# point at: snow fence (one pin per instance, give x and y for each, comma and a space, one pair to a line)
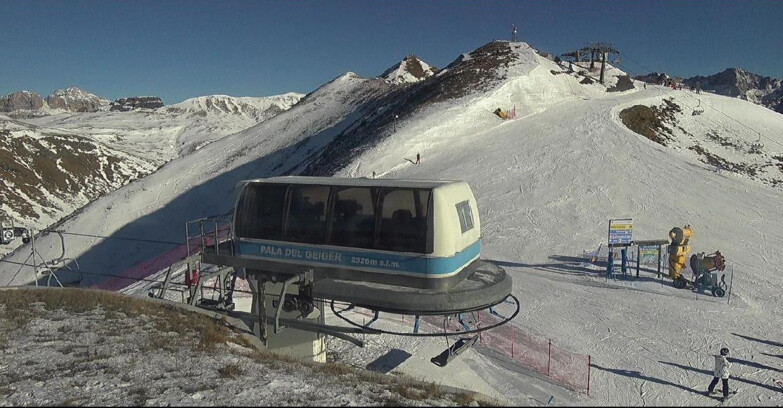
563, 367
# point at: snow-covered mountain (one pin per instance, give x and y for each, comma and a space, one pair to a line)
734, 82
118, 147
258, 109
74, 99
26, 104
745, 85
546, 184
48, 173
410, 69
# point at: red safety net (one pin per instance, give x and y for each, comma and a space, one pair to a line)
566, 368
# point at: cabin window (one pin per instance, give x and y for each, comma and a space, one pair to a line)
353, 217
261, 211
306, 220
403, 224
465, 216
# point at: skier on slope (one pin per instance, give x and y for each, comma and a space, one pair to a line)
722, 366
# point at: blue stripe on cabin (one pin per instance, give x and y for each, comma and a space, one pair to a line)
368, 259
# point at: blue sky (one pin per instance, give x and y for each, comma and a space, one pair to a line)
182, 49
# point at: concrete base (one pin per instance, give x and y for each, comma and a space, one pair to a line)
300, 344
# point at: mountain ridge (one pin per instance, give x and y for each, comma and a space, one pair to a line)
734, 82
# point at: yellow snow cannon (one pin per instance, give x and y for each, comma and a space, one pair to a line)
678, 252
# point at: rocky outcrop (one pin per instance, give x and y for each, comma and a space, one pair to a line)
738, 83
24, 100
410, 69
75, 100
137, 102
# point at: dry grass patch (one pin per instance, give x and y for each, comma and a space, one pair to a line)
230, 371
465, 399
20, 306
335, 369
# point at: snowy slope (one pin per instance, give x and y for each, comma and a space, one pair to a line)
174, 130
203, 182
546, 184
136, 142
48, 173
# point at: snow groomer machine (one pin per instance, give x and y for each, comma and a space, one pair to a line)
407, 247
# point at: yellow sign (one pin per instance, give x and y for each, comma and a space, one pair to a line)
621, 226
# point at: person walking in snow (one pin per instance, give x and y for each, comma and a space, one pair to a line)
722, 366
418, 158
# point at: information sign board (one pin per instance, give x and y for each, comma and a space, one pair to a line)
620, 232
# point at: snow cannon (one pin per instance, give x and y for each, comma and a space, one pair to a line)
705, 276
708, 263
678, 251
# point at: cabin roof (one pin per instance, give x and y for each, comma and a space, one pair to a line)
353, 182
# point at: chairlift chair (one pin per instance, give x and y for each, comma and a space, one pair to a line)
696, 110
758, 144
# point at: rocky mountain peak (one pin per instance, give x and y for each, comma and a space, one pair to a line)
23, 100
75, 100
739, 83
734, 82
410, 69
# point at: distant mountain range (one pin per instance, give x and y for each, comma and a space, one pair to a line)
70, 99
734, 82
87, 146
59, 153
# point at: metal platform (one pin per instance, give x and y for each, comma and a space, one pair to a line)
486, 285
482, 284
292, 294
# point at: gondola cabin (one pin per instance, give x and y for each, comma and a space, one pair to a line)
418, 234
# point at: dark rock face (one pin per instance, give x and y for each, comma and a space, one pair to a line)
23, 100
774, 100
138, 102
735, 82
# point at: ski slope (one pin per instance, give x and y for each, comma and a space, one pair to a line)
546, 184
